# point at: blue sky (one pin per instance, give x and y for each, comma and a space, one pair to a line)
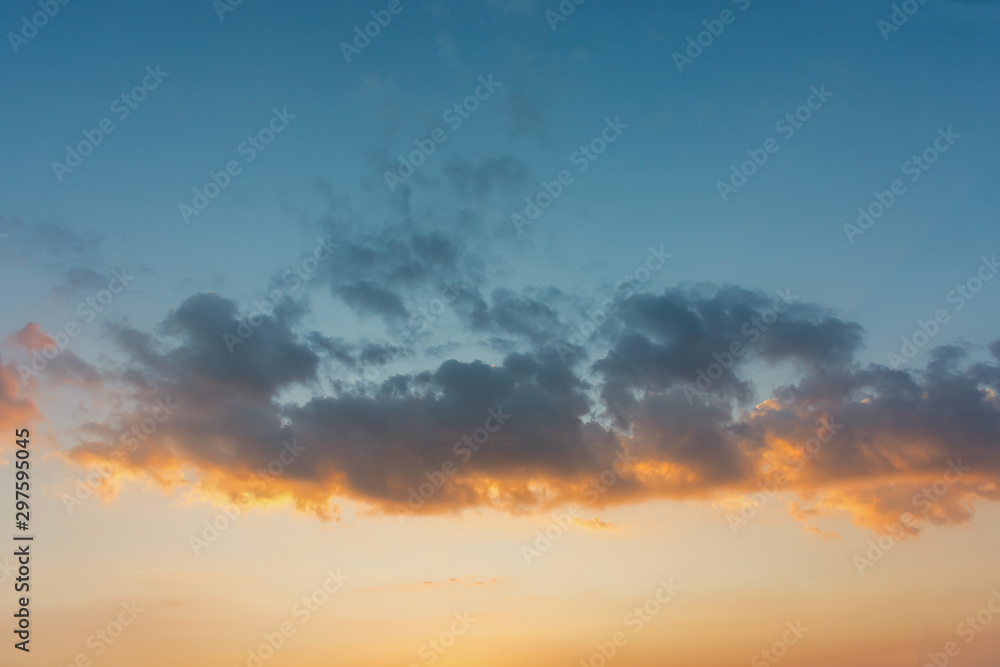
657, 184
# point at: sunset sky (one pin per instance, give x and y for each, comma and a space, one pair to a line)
503, 332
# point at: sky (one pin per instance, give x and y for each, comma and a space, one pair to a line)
497, 332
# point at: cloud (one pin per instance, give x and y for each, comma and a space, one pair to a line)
40, 359
17, 411
674, 339
367, 298
533, 433
594, 524
398, 264
271, 358
531, 316
31, 338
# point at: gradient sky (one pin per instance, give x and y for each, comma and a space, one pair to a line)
377, 420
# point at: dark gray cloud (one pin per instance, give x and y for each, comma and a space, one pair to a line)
944, 409
334, 349
368, 298
685, 336
389, 272
531, 317
378, 443
194, 350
